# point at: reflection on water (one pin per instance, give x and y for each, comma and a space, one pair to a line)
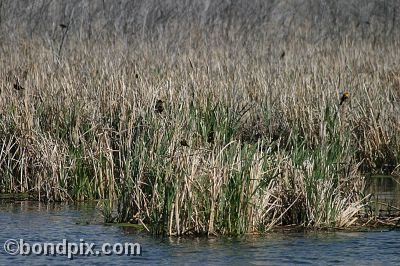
38, 222
385, 191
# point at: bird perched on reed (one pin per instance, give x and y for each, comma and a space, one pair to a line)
344, 97
184, 143
18, 86
159, 108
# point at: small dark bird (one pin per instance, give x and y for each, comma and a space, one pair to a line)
210, 137
18, 86
137, 75
283, 54
63, 26
184, 143
159, 108
344, 97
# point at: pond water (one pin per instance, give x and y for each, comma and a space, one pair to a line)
36, 223
385, 192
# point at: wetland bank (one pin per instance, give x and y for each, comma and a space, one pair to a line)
209, 128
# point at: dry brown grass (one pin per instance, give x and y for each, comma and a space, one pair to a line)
282, 151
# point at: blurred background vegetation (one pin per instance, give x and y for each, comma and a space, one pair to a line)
236, 20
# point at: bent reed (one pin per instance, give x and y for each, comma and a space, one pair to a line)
205, 137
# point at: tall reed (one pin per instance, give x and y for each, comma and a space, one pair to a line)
213, 140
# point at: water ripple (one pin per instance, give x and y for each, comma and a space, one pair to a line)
37, 222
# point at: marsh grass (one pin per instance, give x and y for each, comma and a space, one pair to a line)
245, 140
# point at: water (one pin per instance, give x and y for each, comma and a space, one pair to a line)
38, 222
385, 192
